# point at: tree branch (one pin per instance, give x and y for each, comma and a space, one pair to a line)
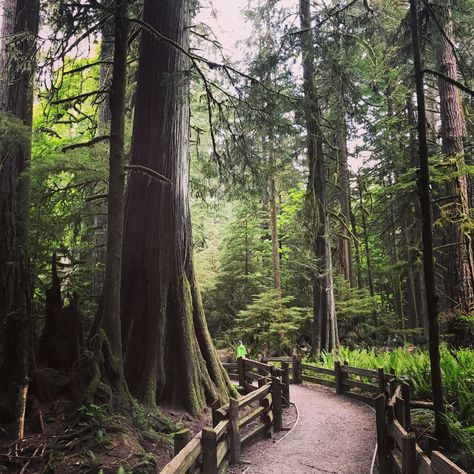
100, 138
148, 171
458, 84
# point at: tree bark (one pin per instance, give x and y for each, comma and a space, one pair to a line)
106, 57
345, 239
7, 9
17, 97
442, 432
407, 255
273, 217
99, 220
360, 281
419, 279
396, 280
111, 320
459, 278
169, 356
325, 334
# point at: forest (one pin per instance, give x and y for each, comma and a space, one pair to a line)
308, 190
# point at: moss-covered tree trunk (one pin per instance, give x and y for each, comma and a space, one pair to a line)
105, 340
273, 213
169, 356
17, 99
459, 275
325, 333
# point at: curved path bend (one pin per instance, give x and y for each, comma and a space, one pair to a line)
334, 434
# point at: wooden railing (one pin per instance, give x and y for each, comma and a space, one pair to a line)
234, 424
397, 448
343, 377
212, 450
398, 451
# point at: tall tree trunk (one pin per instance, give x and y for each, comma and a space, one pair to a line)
360, 281
169, 354
273, 216
7, 12
99, 220
424, 192
106, 56
15, 311
111, 320
459, 278
396, 280
325, 334
419, 279
365, 233
407, 255
345, 239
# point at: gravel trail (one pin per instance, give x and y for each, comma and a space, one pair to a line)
334, 434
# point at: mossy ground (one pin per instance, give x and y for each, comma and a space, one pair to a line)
90, 440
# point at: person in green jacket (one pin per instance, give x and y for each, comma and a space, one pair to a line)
241, 351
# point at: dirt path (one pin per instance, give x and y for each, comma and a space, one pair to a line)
334, 434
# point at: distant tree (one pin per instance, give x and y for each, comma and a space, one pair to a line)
325, 334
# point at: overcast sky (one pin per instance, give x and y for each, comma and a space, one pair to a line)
225, 19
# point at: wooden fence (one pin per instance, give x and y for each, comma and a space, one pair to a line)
397, 449
345, 379
234, 424
267, 387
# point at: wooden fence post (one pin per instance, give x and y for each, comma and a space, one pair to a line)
276, 402
409, 454
400, 411
234, 435
267, 417
209, 451
241, 371
216, 416
406, 398
339, 378
180, 440
382, 384
381, 423
296, 369
263, 373
393, 382
432, 445
286, 382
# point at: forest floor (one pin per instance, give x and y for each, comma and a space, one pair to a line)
100, 444
333, 434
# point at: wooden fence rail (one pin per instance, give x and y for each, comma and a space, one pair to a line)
212, 450
398, 451
396, 445
235, 423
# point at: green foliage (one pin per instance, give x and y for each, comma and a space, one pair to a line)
12, 133
64, 185
95, 417
413, 364
354, 310
244, 267
92, 413
152, 425
269, 325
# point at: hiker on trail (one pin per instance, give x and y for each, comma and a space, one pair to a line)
241, 351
